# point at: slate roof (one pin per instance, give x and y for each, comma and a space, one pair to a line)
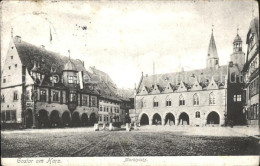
103, 86
188, 77
237, 39
253, 28
47, 61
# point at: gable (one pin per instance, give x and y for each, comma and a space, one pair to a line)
143, 91
196, 86
12, 68
182, 87
155, 90
168, 88
212, 84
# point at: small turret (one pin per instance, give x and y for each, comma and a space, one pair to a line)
238, 56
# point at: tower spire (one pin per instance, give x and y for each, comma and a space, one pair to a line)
212, 28
212, 58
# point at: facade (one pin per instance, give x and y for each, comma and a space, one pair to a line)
44, 89
197, 97
251, 73
111, 104
41, 88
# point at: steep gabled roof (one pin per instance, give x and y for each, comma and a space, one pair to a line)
47, 61
189, 77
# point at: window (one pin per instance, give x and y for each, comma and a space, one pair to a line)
85, 100
155, 102
8, 115
15, 96
38, 76
43, 95
12, 57
54, 79
13, 115
235, 98
212, 99
75, 80
195, 99
216, 62
93, 101
70, 79
104, 118
181, 100
4, 80
2, 116
55, 96
15, 65
72, 96
2, 98
238, 98
257, 109
168, 101
28, 95
197, 114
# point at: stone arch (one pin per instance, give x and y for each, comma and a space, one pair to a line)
156, 119
144, 119
84, 119
55, 120
92, 119
213, 118
43, 119
75, 120
66, 119
169, 118
184, 119
29, 118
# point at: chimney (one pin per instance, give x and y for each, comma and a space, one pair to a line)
43, 47
17, 39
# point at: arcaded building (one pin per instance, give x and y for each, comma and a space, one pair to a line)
200, 97
40, 88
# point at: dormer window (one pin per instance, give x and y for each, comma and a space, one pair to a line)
38, 76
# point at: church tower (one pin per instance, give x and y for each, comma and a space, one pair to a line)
238, 56
212, 57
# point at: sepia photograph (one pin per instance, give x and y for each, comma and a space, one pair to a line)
130, 82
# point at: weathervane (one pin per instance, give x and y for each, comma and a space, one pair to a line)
237, 29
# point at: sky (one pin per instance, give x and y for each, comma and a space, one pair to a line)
124, 39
